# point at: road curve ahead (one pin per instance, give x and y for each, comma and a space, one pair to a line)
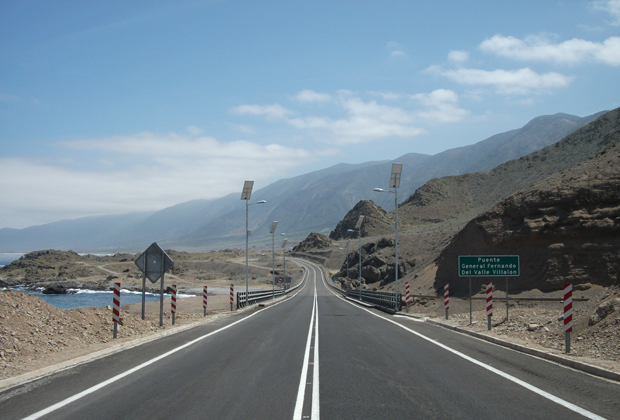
315, 355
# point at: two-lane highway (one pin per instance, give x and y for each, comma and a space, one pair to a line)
316, 355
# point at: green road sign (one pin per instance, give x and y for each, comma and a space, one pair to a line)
334, 277
488, 265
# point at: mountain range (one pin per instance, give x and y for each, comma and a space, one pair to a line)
316, 201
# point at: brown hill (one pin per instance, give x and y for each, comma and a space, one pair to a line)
565, 229
376, 222
313, 241
460, 198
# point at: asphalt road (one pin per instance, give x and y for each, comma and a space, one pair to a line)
315, 355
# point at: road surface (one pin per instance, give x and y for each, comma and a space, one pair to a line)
315, 355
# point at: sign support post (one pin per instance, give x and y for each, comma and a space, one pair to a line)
161, 298
470, 315
144, 289
154, 262
488, 266
506, 298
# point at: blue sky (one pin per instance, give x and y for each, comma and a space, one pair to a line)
114, 107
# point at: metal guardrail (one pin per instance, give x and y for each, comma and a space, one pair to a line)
383, 300
257, 296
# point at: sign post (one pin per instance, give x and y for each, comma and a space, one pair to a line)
488, 266
154, 262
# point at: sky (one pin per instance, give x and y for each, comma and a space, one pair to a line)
125, 106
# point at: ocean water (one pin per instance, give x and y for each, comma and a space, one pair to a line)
7, 258
89, 298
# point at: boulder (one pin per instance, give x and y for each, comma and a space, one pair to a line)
55, 289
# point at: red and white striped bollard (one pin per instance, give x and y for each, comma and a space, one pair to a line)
116, 307
489, 302
407, 295
173, 301
204, 299
446, 298
568, 313
232, 296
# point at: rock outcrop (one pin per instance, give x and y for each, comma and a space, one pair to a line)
313, 241
376, 221
565, 229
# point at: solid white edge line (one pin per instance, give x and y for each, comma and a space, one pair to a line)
518, 381
97, 387
301, 391
316, 402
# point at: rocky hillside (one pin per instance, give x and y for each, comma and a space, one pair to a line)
464, 197
376, 222
313, 241
565, 228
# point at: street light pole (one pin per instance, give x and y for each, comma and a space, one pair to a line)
358, 226
245, 195
273, 258
397, 169
284, 261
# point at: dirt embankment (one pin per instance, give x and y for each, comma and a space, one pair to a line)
34, 334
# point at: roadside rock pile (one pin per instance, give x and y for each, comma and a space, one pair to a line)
32, 332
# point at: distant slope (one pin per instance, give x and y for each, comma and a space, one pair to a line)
316, 201
463, 197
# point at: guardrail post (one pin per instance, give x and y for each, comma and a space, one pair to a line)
173, 302
407, 295
446, 298
232, 296
489, 303
204, 300
116, 304
568, 313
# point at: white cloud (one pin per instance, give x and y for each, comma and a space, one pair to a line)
195, 131
368, 121
396, 49
141, 172
388, 96
458, 56
522, 81
312, 96
441, 106
365, 122
271, 111
538, 48
610, 6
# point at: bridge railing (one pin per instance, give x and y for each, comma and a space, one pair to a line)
383, 300
257, 296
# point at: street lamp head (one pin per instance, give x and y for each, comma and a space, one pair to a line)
261, 202
379, 190
282, 234
351, 230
